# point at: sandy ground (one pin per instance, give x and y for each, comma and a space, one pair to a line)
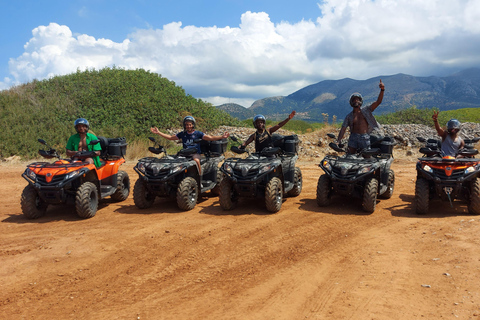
303, 262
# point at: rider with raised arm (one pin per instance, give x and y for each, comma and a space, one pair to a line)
451, 142
263, 137
188, 137
360, 121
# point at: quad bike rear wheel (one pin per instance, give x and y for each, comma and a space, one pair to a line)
370, 195
33, 207
390, 185
142, 198
297, 183
123, 187
86, 200
324, 190
274, 195
227, 197
422, 196
187, 194
474, 203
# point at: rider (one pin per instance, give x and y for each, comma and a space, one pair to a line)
451, 142
81, 142
360, 121
263, 137
189, 135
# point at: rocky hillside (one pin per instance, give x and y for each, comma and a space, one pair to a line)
315, 145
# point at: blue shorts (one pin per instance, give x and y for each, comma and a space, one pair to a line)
359, 141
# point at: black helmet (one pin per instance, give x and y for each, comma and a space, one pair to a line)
81, 121
256, 118
356, 95
453, 124
190, 119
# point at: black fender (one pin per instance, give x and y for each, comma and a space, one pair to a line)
92, 176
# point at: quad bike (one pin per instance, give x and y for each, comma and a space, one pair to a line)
73, 181
447, 178
269, 174
363, 175
177, 176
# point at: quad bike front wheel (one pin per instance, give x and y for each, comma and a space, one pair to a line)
324, 191
86, 200
228, 200
187, 194
123, 187
474, 203
297, 183
422, 196
369, 201
33, 207
142, 198
390, 185
216, 190
274, 195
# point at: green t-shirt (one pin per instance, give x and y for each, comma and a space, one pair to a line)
74, 141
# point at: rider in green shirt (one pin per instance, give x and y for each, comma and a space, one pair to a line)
81, 142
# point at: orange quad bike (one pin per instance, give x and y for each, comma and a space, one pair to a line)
447, 178
74, 181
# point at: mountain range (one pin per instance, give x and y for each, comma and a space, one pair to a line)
330, 97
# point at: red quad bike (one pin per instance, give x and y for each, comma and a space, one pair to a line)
67, 181
447, 178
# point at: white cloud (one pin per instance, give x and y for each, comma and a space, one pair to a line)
357, 39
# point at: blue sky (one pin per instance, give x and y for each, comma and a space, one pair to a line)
239, 50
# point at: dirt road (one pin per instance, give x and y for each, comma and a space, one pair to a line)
303, 262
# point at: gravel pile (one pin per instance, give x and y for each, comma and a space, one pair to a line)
315, 144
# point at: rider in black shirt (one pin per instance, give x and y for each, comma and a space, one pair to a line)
263, 137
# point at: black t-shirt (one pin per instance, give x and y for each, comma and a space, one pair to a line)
263, 140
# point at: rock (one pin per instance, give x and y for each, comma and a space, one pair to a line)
13, 159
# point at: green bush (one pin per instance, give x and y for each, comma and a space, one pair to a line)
116, 102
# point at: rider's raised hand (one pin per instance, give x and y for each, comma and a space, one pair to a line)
381, 85
435, 115
291, 115
154, 130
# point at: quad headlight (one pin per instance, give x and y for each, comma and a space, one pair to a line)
141, 167
32, 175
365, 170
470, 170
265, 169
177, 168
327, 165
427, 168
227, 167
72, 174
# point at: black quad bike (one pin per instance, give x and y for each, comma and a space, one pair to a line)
447, 178
177, 176
73, 181
363, 175
269, 174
